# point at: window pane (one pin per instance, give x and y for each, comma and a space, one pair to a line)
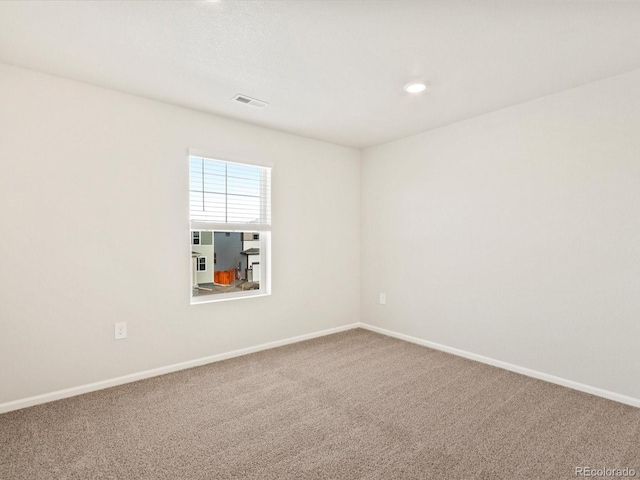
236, 267
242, 209
196, 200
214, 183
195, 173
214, 167
223, 192
243, 180
210, 207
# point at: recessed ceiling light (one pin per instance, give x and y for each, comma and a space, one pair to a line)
415, 87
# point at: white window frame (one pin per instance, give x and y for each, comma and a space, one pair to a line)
198, 264
263, 230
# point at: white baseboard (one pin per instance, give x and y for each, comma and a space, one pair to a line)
134, 377
617, 397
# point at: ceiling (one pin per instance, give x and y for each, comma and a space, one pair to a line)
330, 70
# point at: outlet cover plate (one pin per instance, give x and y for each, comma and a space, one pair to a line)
120, 330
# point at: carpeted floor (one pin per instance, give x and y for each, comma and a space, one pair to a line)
354, 405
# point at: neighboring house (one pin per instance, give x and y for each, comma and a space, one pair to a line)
223, 251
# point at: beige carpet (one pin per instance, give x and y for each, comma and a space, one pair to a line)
348, 406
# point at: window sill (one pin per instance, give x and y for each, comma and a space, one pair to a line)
224, 297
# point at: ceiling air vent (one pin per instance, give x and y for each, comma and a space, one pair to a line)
250, 101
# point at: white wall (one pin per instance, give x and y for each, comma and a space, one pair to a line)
103, 176
515, 235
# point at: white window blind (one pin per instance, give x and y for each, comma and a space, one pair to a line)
229, 193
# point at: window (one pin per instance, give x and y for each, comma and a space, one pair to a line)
202, 264
230, 215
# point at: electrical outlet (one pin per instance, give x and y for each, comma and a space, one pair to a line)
383, 299
121, 330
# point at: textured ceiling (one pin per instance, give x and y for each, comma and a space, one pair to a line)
331, 70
